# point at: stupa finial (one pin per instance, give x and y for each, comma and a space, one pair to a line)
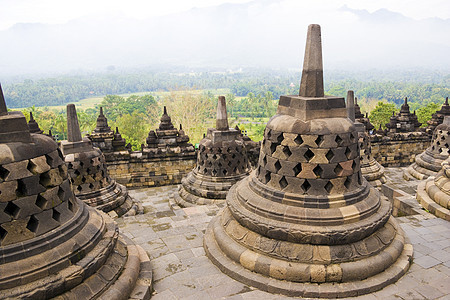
3, 109
351, 105
222, 118
311, 84
73, 128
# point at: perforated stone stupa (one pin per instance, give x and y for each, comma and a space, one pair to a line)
306, 222
404, 121
372, 171
221, 162
438, 117
89, 174
434, 193
51, 243
429, 162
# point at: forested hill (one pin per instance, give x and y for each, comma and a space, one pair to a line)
420, 86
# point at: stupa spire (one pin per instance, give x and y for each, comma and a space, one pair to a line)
3, 109
222, 118
351, 105
311, 84
73, 128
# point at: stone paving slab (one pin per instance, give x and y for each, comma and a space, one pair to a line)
173, 237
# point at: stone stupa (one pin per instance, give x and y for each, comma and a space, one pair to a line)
434, 193
221, 162
167, 141
372, 171
51, 243
89, 174
306, 223
404, 121
438, 117
102, 135
429, 162
33, 125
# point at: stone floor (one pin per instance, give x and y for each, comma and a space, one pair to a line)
173, 239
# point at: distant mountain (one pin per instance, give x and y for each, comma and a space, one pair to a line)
267, 33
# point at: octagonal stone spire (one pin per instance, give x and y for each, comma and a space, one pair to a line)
222, 118
311, 84
73, 128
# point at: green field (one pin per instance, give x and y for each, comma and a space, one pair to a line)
92, 102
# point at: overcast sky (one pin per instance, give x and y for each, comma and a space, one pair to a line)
61, 11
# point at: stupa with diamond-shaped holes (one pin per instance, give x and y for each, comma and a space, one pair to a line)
51, 243
221, 162
429, 162
89, 174
306, 223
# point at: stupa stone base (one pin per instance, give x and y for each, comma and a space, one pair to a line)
424, 167
438, 208
84, 259
197, 189
232, 258
374, 173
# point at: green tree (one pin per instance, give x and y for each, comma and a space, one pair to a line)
381, 114
424, 113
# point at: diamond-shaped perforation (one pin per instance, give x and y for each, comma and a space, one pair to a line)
77, 173
280, 138
11, 209
267, 177
354, 166
225, 172
3, 173
264, 160
233, 155
348, 152
338, 170
283, 182
32, 224
79, 188
318, 171
3, 233
56, 215
214, 172
297, 169
287, 151
41, 202
328, 187
306, 186
338, 140
352, 137
298, 140
347, 182
214, 157
319, 140
308, 155
70, 205
277, 166
273, 148
329, 155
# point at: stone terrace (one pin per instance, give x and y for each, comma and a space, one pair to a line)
173, 238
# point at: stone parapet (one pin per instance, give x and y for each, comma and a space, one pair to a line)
399, 149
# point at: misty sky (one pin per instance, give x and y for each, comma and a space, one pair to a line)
58, 12
64, 35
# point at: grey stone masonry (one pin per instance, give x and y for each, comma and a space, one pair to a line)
89, 175
33, 125
51, 243
306, 222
